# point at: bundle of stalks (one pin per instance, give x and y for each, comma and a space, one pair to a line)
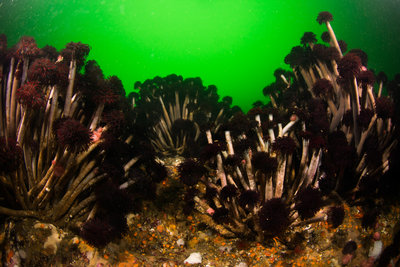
53, 140
178, 110
277, 176
346, 88
260, 190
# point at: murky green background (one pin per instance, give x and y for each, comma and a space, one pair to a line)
234, 44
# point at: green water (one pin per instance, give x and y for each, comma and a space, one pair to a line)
234, 44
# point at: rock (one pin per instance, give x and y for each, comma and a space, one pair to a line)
22, 254
225, 248
180, 242
376, 249
194, 258
53, 240
203, 236
241, 264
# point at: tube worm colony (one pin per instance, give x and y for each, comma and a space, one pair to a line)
67, 154
326, 137
63, 139
177, 110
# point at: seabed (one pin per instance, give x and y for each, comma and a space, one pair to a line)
167, 237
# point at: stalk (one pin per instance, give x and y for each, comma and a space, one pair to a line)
229, 143
68, 95
268, 189
333, 37
312, 169
96, 116
280, 176
24, 69
53, 109
249, 172
356, 111
12, 111
8, 97
365, 134
18, 213
220, 171
62, 206
339, 115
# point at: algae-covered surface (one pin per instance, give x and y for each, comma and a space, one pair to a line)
162, 235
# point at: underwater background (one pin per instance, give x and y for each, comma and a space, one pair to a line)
233, 44
171, 174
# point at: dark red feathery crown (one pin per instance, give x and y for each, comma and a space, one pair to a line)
324, 17
349, 66
97, 232
191, 171
11, 155
308, 37
209, 151
317, 142
30, 95
105, 95
114, 119
26, 47
49, 52
78, 51
228, 191
381, 77
249, 198
63, 73
307, 202
361, 54
384, 107
332, 53
285, 145
109, 90
325, 37
240, 124
255, 111
336, 216
72, 135
318, 122
320, 51
298, 56
366, 78
243, 145
116, 85
44, 71
263, 162
365, 117
323, 88
274, 216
